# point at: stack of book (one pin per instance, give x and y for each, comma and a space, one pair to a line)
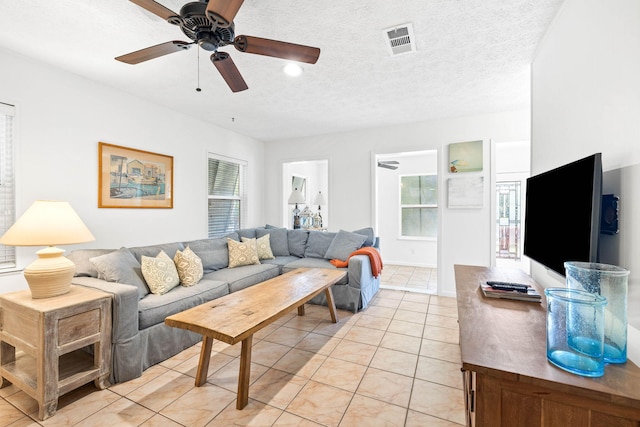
508, 290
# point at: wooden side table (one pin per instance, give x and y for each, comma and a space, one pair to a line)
42, 340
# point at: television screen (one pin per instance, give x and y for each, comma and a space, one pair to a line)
562, 214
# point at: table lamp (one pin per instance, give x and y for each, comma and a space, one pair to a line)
48, 223
295, 198
319, 200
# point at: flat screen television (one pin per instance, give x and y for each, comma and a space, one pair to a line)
562, 214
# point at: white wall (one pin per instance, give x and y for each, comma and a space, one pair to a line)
586, 99
464, 233
60, 120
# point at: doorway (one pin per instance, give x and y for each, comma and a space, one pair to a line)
406, 218
512, 166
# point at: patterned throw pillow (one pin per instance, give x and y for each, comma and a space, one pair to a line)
242, 253
189, 266
160, 273
263, 245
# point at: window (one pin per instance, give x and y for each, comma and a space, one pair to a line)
419, 205
226, 200
7, 183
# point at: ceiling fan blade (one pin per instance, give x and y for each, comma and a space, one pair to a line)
153, 52
229, 71
223, 12
387, 165
278, 49
156, 8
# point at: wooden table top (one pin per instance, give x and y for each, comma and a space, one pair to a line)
234, 317
508, 338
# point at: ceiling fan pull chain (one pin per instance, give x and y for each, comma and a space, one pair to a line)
198, 88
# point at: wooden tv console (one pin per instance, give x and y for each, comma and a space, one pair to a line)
507, 378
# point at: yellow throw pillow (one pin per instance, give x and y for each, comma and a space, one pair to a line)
189, 266
242, 253
160, 273
263, 245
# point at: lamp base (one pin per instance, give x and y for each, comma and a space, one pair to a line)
50, 275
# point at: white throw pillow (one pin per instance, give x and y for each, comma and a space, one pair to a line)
160, 273
189, 266
242, 253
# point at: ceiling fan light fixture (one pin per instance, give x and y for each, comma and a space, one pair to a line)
292, 69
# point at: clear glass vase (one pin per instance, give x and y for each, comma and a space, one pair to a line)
609, 281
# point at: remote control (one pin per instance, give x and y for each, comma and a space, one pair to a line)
508, 286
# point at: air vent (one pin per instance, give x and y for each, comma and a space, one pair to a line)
400, 39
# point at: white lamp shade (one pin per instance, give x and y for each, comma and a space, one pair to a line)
47, 223
319, 200
296, 197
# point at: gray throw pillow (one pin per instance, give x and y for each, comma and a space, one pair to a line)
121, 267
368, 231
344, 244
80, 257
318, 243
214, 253
297, 242
277, 238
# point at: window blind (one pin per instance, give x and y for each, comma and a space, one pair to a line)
7, 183
226, 195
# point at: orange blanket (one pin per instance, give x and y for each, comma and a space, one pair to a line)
374, 258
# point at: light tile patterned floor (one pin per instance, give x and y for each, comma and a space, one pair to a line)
403, 277
397, 363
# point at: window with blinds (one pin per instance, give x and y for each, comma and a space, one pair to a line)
7, 183
226, 195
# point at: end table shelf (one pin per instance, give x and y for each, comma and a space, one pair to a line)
42, 343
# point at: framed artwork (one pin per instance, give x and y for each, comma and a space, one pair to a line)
465, 192
130, 178
465, 156
300, 183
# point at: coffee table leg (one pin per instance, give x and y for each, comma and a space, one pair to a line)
203, 365
245, 373
301, 310
332, 305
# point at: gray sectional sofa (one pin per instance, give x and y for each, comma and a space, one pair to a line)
140, 338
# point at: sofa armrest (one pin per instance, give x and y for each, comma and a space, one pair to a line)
359, 271
124, 303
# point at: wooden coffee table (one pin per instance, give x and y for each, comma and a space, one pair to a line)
236, 317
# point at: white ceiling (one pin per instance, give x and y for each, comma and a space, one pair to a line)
472, 57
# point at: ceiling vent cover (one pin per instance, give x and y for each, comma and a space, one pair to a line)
400, 39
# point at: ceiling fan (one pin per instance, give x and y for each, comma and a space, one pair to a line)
388, 164
210, 25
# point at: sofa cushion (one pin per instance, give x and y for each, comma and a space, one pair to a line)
213, 252
344, 244
189, 266
154, 308
367, 231
318, 243
242, 253
278, 239
297, 240
153, 250
314, 263
245, 276
262, 246
121, 267
281, 261
84, 267
160, 273
249, 233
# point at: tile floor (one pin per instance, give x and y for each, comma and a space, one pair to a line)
417, 279
397, 363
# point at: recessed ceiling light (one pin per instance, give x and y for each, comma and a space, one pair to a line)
292, 69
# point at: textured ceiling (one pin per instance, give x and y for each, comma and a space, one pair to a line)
472, 57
